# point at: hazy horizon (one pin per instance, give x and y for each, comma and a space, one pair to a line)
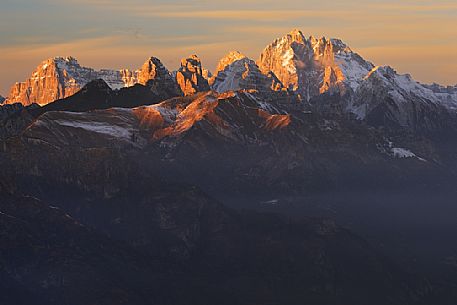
416, 36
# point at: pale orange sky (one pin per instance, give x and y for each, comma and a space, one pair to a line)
414, 36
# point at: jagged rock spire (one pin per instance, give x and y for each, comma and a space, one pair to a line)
190, 76
152, 69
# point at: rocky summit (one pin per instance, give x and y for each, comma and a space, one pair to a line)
190, 77
235, 71
59, 77
313, 66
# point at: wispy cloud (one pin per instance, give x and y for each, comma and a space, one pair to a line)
119, 33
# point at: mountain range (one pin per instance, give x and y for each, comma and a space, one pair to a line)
163, 182
307, 66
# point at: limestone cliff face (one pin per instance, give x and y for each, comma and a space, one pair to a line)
312, 66
152, 69
207, 74
156, 76
281, 58
235, 71
128, 77
52, 79
190, 77
59, 77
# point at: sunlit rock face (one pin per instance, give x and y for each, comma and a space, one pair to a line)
317, 68
312, 66
207, 74
158, 79
235, 71
60, 77
307, 67
128, 77
152, 69
225, 116
190, 77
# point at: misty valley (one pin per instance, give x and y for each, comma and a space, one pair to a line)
309, 176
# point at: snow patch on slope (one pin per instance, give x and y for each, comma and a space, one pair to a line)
97, 127
169, 115
401, 153
287, 58
353, 70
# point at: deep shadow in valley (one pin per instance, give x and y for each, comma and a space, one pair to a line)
417, 228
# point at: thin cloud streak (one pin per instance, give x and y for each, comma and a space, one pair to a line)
117, 33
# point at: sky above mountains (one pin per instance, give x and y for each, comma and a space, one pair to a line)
413, 36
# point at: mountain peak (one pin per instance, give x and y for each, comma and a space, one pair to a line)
296, 32
235, 53
235, 71
229, 59
313, 66
192, 64
151, 69
318, 44
190, 76
61, 76
64, 58
97, 84
153, 60
296, 35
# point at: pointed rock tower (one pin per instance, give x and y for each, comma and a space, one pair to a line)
190, 76
156, 76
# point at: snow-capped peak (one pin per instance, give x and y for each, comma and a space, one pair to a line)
402, 86
235, 71
229, 59
313, 66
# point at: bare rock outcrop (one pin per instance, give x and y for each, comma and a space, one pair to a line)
235, 71
190, 77
157, 77
60, 77
313, 66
